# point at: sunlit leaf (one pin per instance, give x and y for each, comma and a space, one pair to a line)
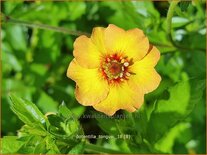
26, 111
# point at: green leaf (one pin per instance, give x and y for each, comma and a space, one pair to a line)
32, 142
76, 10
166, 143
11, 145
183, 97
64, 125
179, 21
71, 124
77, 149
184, 5
26, 111
168, 112
17, 37
35, 129
9, 58
65, 112
106, 123
40, 148
178, 101
46, 103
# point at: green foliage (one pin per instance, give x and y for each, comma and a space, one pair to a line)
34, 65
42, 134
10, 144
26, 111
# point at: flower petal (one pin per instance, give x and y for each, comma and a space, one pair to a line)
86, 53
146, 78
132, 43
97, 38
91, 87
120, 96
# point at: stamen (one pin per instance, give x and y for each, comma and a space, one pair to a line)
122, 61
116, 77
126, 64
115, 68
121, 75
128, 74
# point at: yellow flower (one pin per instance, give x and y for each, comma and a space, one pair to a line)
113, 69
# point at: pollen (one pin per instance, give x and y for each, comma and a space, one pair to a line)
126, 64
115, 68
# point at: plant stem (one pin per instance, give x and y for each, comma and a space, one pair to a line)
170, 13
99, 149
45, 27
173, 4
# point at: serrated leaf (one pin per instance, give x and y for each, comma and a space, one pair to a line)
31, 143
35, 129
47, 103
40, 148
26, 111
65, 112
10, 144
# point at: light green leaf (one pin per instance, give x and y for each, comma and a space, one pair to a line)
17, 37
46, 103
183, 97
76, 10
179, 21
71, 124
11, 145
35, 129
166, 143
65, 112
77, 149
178, 101
26, 111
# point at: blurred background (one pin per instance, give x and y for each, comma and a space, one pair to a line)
34, 63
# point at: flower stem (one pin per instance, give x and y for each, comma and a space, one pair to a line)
8, 19
99, 149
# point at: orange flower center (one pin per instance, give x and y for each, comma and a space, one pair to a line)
115, 68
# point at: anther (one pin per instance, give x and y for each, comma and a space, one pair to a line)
122, 68
116, 77
128, 74
122, 61
126, 64
121, 75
